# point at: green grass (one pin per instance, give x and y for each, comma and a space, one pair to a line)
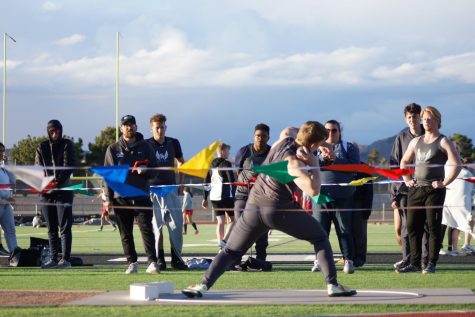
111, 277
86, 239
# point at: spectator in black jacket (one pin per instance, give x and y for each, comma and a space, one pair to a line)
130, 150
57, 205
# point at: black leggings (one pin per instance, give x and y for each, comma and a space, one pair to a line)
255, 220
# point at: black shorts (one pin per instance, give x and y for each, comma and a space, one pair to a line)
223, 206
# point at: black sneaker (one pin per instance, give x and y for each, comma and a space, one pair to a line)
179, 265
409, 269
401, 264
162, 265
429, 269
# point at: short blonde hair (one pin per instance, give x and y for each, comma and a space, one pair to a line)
434, 113
311, 132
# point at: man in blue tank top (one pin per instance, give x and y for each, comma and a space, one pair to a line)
426, 196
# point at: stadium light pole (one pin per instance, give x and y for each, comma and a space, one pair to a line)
117, 87
5, 35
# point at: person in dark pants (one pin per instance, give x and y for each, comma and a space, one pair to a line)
130, 149
362, 204
412, 115
337, 151
57, 205
250, 155
270, 206
426, 196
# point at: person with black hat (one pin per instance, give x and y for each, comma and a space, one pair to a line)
130, 150
57, 205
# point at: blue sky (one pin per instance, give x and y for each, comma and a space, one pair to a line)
217, 68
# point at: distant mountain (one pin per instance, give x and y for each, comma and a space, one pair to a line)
384, 147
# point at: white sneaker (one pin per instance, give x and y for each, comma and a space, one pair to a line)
153, 268
316, 266
339, 290
133, 268
468, 249
197, 290
348, 268
443, 252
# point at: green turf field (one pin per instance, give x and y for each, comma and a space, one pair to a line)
87, 239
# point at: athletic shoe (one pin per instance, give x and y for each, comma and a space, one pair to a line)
63, 264
197, 290
115, 228
153, 268
348, 268
340, 290
443, 252
400, 264
468, 249
197, 231
162, 265
408, 269
184, 232
51, 264
133, 268
456, 253
100, 229
430, 268
340, 261
316, 266
179, 265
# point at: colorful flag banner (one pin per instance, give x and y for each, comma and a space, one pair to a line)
277, 170
162, 191
125, 190
469, 179
79, 188
117, 173
199, 164
321, 199
362, 181
366, 169
33, 176
115, 177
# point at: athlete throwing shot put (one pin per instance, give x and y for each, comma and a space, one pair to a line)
270, 206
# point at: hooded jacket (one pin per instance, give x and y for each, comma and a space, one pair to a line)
121, 153
56, 153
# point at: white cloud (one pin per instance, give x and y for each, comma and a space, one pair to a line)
460, 67
71, 40
50, 6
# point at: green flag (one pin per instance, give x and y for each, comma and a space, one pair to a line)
276, 170
78, 188
321, 199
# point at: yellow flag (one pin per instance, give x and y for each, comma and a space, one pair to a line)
199, 164
362, 181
